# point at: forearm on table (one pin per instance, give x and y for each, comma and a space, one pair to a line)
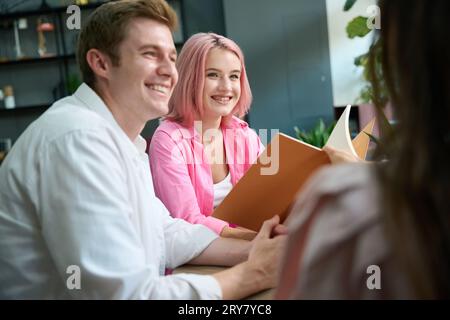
223, 252
241, 281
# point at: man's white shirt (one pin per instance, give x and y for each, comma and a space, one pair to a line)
76, 191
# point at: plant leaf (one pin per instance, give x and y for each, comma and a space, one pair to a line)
330, 128
321, 126
357, 27
318, 135
349, 4
303, 136
361, 61
297, 131
326, 135
316, 138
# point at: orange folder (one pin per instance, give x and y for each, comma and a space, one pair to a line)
271, 184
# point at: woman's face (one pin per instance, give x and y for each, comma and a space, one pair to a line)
222, 88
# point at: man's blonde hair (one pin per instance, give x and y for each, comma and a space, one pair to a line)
107, 27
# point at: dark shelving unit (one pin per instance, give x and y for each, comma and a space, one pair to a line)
39, 81
37, 60
62, 56
26, 108
45, 11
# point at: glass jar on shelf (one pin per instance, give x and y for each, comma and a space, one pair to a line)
10, 102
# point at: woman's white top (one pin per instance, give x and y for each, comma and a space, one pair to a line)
221, 189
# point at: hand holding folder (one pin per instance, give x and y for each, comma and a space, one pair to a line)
268, 189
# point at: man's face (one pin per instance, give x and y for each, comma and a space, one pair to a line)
144, 80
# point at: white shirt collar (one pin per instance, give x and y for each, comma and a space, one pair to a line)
93, 101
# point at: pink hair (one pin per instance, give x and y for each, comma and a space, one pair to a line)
187, 97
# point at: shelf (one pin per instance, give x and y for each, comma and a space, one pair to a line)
38, 11
178, 45
28, 108
36, 60
64, 60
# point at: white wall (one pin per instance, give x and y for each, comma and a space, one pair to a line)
346, 77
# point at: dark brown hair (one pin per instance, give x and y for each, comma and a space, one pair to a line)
415, 181
107, 27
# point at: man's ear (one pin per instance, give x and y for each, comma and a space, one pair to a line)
99, 62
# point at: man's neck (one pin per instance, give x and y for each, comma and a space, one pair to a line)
127, 121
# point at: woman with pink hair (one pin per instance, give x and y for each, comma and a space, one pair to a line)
203, 148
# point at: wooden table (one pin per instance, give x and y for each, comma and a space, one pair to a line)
263, 295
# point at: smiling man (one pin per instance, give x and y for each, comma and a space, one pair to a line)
76, 193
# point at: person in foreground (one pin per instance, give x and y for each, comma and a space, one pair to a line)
78, 214
383, 230
213, 148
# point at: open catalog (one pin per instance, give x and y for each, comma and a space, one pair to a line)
271, 184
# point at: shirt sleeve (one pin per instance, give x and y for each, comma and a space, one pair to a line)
173, 184
178, 234
85, 221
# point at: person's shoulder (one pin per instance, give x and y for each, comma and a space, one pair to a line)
168, 126
334, 179
242, 130
67, 115
348, 192
340, 209
242, 127
173, 131
168, 134
63, 119
63, 122
237, 123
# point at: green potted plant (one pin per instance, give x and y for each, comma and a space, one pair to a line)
358, 27
317, 136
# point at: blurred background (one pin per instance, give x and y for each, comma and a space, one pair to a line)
301, 60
